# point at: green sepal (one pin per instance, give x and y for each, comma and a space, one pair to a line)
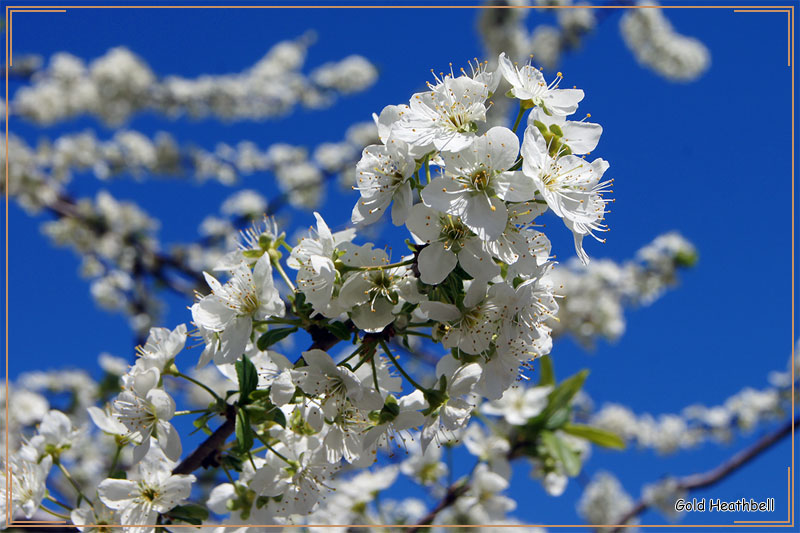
389, 411
686, 259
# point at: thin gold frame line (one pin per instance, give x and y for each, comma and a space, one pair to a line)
791, 18
11, 27
788, 27
788, 510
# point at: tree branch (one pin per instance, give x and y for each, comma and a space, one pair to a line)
691, 482
204, 453
454, 492
715, 475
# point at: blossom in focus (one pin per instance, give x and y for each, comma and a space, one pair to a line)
382, 178
477, 182
570, 185
231, 308
444, 118
153, 489
528, 85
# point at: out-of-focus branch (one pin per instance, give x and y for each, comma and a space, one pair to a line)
454, 492
119, 84
65, 206
715, 475
691, 482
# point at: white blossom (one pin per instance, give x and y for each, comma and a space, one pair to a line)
231, 308
152, 489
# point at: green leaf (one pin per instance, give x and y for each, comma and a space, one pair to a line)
259, 394
278, 417
547, 376
244, 433
559, 449
558, 418
557, 401
601, 437
190, 513
339, 330
256, 409
248, 378
566, 390
272, 336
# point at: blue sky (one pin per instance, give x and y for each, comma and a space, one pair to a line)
711, 159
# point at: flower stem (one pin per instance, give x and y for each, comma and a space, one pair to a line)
202, 385
228, 474
60, 504
282, 272
190, 412
115, 460
375, 375
73, 482
519, 118
400, 368
355, 353
50, 511
273, 450
427, 169
368, 353
417, 333
390, 265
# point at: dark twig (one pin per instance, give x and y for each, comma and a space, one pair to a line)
691, 482
454, 492
203, 456
715, 475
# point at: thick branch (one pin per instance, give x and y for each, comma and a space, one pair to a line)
715, 475
323, 339
203, 454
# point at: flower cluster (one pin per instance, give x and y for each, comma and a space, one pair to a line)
118, 84
594, 296
477, 281
656, 44
647, 31
116, 240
